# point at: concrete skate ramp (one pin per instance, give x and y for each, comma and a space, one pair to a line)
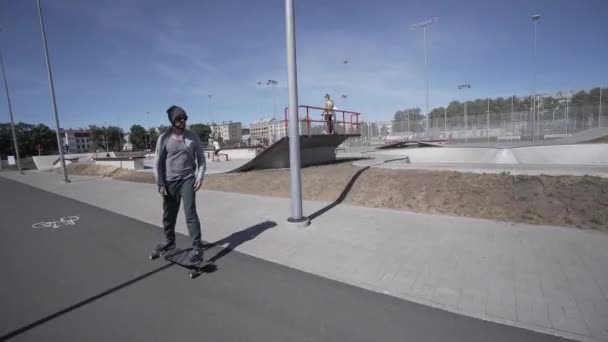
579, 154
585, 136
410, 143
50, 161
314, 150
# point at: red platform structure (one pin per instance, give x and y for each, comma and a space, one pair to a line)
312, 121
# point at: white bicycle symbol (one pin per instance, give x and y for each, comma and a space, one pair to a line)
64, 221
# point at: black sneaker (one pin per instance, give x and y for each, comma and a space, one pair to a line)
164, 247
197, 255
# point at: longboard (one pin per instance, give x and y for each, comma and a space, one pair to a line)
182, 257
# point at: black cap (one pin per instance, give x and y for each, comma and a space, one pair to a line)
174, 111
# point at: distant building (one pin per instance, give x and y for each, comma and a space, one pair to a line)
76, 140
227, 131
267, 131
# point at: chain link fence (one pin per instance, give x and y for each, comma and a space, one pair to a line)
544, 124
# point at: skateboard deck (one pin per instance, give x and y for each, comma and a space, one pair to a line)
182, 257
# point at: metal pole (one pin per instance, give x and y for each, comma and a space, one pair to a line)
294, 136
445, 119
424, 25
567, 119
274, 95
488, 120
599, 117
52, 87
426, 73
10, 111
512, 126
535, 18
466, 124
534, 123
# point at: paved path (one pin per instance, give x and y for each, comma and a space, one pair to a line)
548, 279
92, 281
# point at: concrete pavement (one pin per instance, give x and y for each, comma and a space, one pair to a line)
91, 281
548, 279
400, 163
555, 160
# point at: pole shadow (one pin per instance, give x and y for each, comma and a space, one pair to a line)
236, 239
348, 188
73, 307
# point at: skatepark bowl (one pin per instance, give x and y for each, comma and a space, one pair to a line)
579, 154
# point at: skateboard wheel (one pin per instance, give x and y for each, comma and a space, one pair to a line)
191, 275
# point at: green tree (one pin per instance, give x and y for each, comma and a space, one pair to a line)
43, 136
115, 137
153, 138
203, 131
6, 140
98, 137
401, 118
138, 137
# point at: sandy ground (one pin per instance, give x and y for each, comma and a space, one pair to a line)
568, 201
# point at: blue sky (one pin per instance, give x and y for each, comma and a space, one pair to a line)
114, 61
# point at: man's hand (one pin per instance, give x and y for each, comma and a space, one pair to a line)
197, 184
162, 190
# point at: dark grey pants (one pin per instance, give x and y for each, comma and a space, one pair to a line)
177, 191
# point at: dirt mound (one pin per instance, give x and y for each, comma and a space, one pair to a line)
90, 169
561, 200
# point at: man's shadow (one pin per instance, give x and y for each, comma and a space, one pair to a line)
236, 239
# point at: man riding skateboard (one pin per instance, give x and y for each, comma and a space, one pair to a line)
179, 168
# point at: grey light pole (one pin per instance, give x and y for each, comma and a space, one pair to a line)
210, 97
512, 126
466, 125
294, 137
488, 120
424, 25
52, 87
445, 119
149, 135
599, 118
10, 111
535, 18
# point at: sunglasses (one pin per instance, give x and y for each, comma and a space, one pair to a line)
181, 118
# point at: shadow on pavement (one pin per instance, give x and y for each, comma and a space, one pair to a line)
80, 304
238, 238
347, 189
233, 241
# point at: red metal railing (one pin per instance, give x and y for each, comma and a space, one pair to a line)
350, 127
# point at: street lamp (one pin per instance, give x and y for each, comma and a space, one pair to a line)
344, 97
10, 111
466, 128
535, 19
296, 217
210, 97
424, 25
52, 88
148, 132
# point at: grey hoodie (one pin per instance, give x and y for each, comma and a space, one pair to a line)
195, 149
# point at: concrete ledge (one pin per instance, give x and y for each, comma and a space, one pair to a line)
129, 163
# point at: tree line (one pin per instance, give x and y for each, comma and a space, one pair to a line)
581, 104
40, 139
